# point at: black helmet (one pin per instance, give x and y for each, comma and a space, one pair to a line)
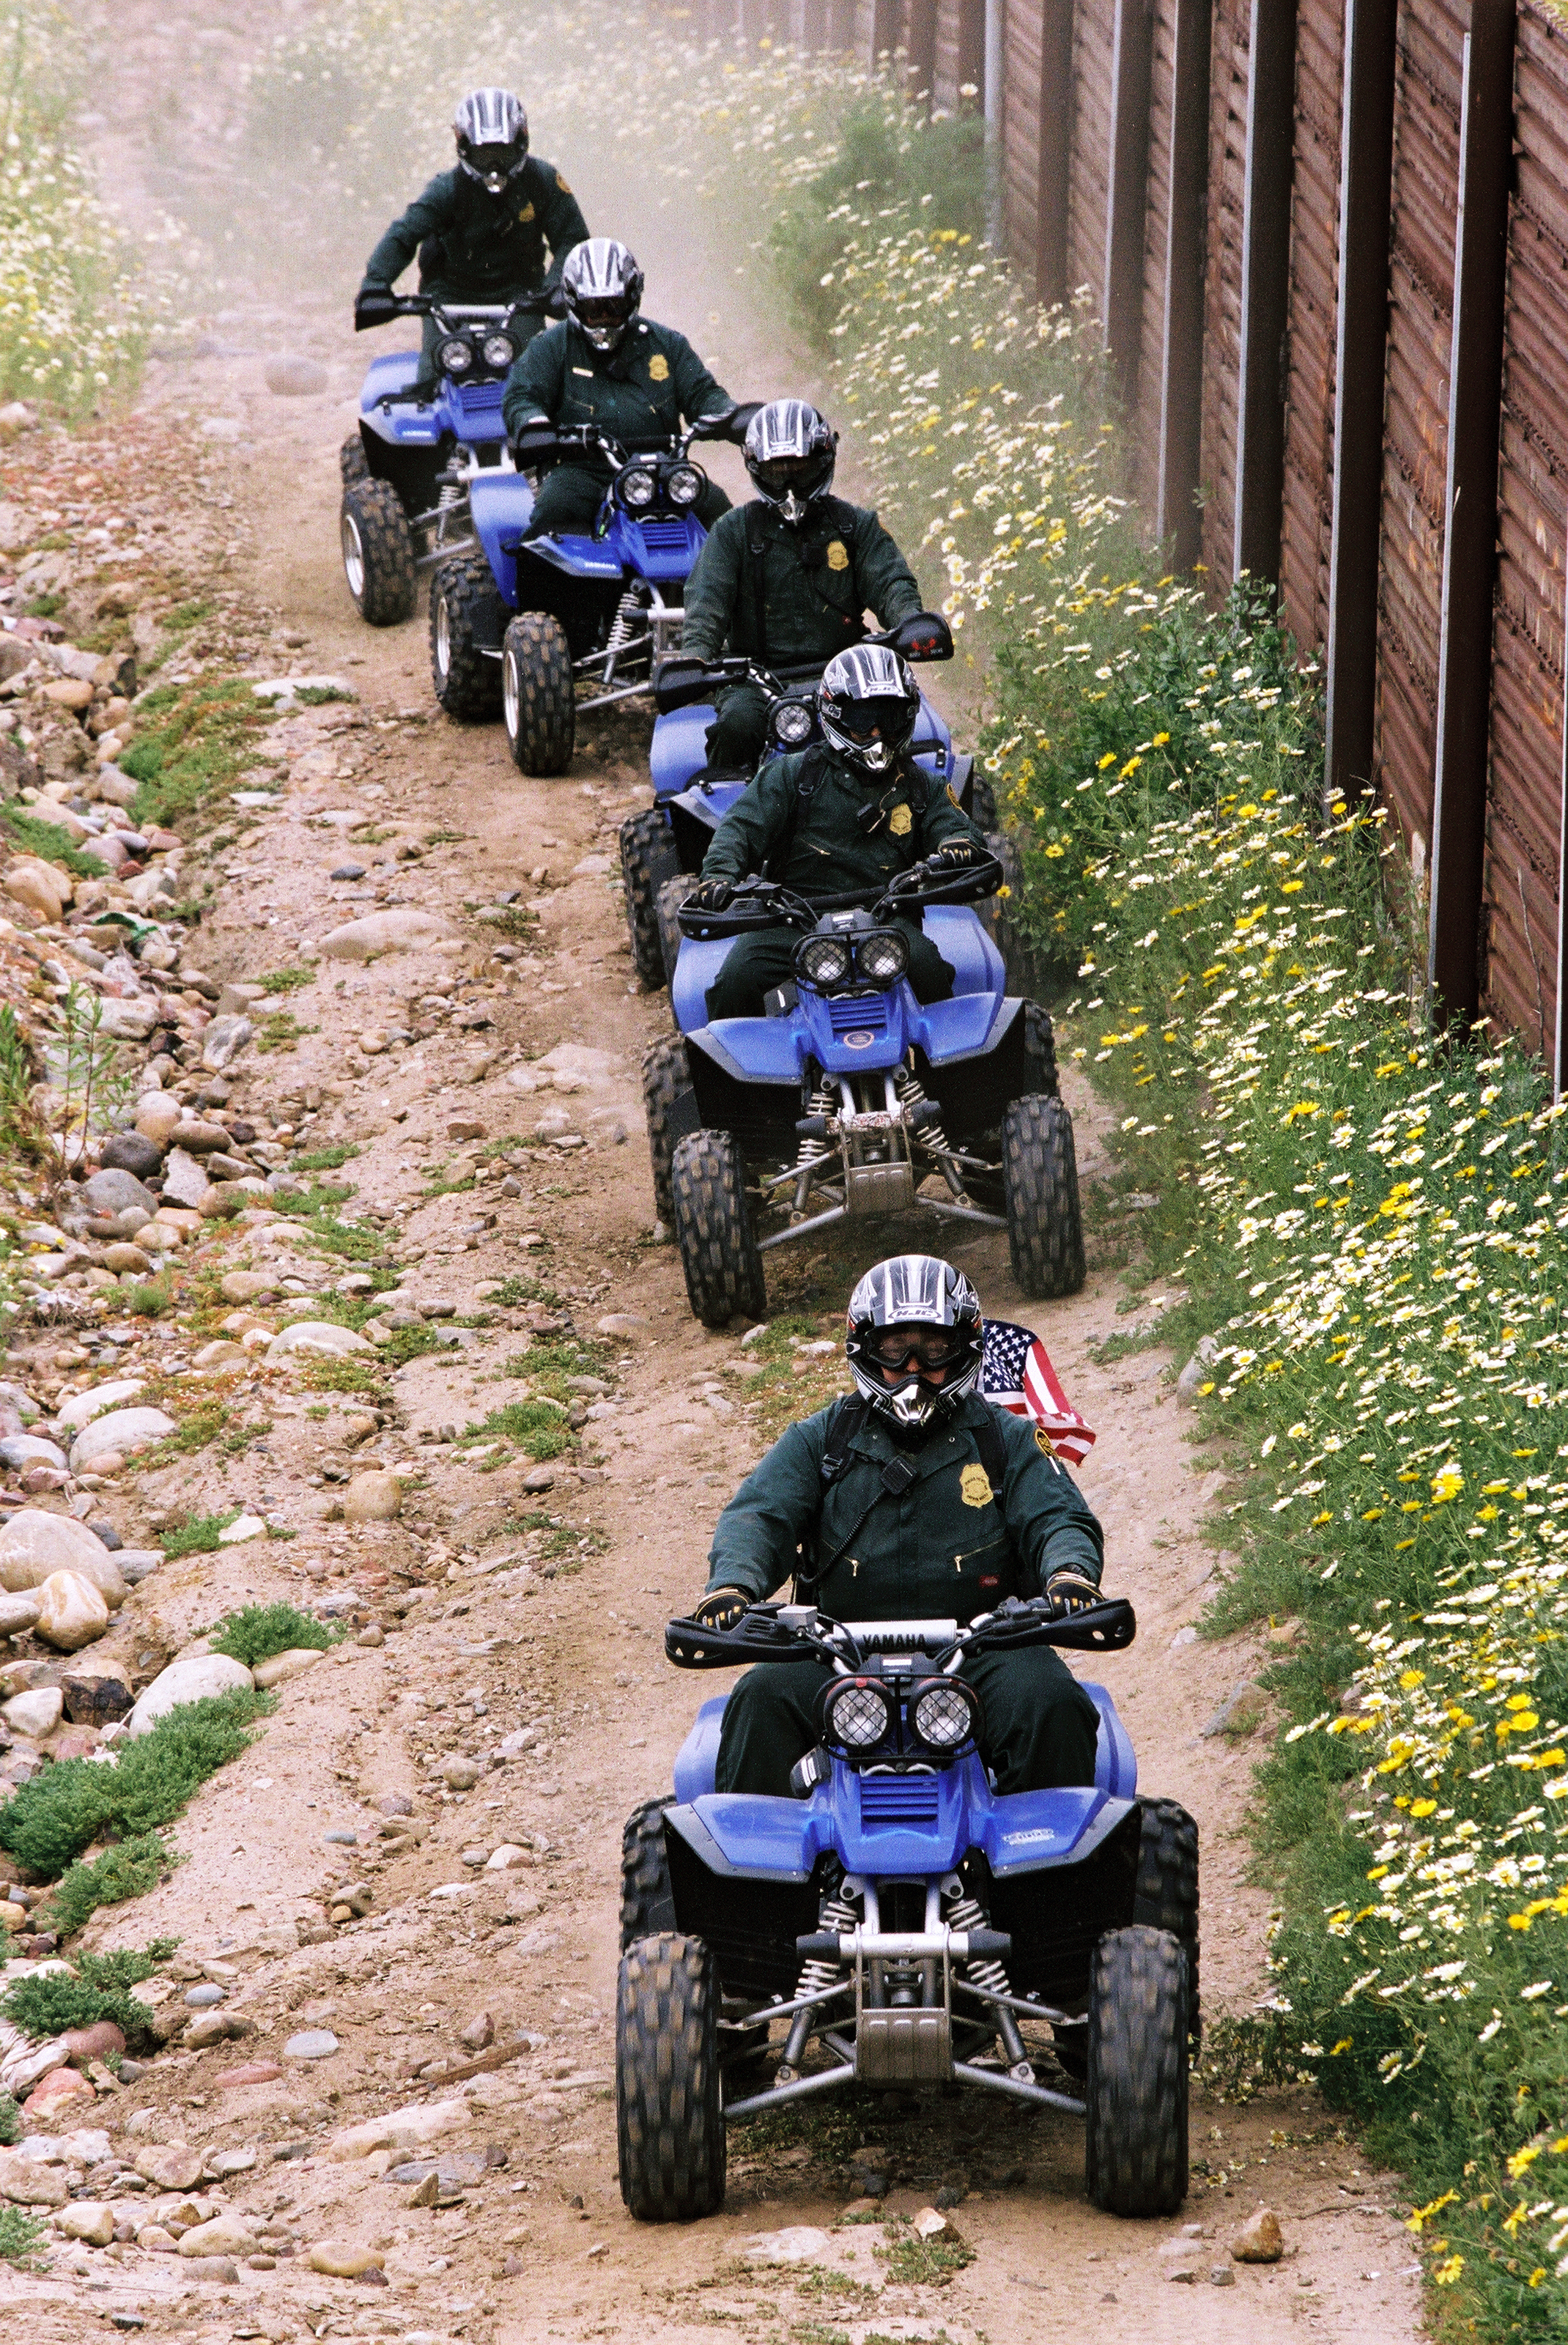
909, 1316
491, 132
790, 452
868, 703
601, 287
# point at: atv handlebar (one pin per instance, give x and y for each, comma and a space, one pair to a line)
762, 904
799, 1632
376, 309
684, 683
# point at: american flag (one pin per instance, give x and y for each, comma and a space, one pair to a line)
1016, 1373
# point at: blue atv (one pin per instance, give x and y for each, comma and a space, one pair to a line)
408, 468
515, 623
850, 1094
661, 849
900, 1926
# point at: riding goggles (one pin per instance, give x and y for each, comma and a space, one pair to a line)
933, 1347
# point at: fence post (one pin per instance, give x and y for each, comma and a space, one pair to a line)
920, 41
1469, 505
1366, 195
1053, 188
1265, 288
1177, 517
1121, 305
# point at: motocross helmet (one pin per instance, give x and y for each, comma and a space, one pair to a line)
868, 703
491, 131
601, 287
790, 452
912, 1316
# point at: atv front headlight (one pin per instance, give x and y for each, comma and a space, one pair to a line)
682, 484
882, 959
637, 487
791, 723
499, 350
859, 1717
946, 1715
456, 356
824, 961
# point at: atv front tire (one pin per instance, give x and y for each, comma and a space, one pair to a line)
1135, 2146
353, 464
377, 551
1166, 1897
648, 857
667, 1080
539, 701
669, 2119
672, 896
1040, 1179
647, 1901
713, 1229
465, 612
1039, 1052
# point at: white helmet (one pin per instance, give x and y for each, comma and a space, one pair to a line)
491, 131
912, 1316
789, 451
601, 287
868, 705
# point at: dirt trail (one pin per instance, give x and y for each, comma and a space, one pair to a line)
556, 1626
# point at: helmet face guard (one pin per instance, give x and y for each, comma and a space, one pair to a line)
790, 454
915, 1340
868, 704
491, 132
494, 167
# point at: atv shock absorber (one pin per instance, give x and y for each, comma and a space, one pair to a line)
838, 1914
813, 1146
911, 1096
966, 1912
623, 626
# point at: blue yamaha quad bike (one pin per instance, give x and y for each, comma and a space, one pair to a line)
850, 1094
899, 1924
514, 625
408, 468
661, 849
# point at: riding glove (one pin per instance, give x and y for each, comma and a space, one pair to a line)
374, 305
1067, 1592
711, 896
723, 1609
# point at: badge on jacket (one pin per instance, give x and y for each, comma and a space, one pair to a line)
561, 185
526, 213
901, 822
837, 555
975, 1486
658, 368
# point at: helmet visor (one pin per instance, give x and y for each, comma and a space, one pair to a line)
779, 474
931, 1347
495, 165
882, 718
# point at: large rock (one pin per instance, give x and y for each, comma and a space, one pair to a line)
122, 1431
228, 2234
81, 1407
20, 1450
132, 1153
71, 1612
88, 2220
26, 2182
170, 2165
18, 1614
184, 1182
224, 1041
130, 1020
33, 1544
386, 932
373, 1497
56, 2091
1259, 2240
291, 377
92, 1700
158, 1116
110, 1191
34, 1714
189, 1681
291, 1664
316, 1339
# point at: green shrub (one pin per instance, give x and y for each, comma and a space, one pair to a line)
35, 835
533, 1424
49, 2002
127, 1870
258, 1630
10, 2121
199, 1533
21, 2238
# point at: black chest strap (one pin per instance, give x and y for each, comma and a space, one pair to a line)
844, 1427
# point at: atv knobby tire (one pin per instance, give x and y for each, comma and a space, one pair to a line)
666, 1079
353, 464
539, 699
1039, 1052
669, 2119
648, 857
1040, 1179
1166, 1897
464, 611
1135, 2145
983, 804
377, 552
712, 1228
647, 1901
672, 896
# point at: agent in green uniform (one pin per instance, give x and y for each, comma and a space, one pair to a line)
481, 232
609, 366
847, 819
916, 1499
788, 578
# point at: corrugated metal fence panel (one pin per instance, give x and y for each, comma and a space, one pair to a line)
960, 56
944, 80
1526, 783
1415, 426
1222, 292
1021, 137
1307, 516
1094, 30
1144, 452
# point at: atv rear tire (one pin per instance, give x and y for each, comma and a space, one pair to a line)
713, 1228
353, 464
1135, 2145
1040, 1178
647, 1901
667, 1080
672, 896
377, 552
538, 700
1166, 1897
1039, 1052
465, 613
669, 2119
648, 857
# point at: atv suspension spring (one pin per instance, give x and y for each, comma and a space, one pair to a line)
811, 1149
623, 627
911, 1095
966, 1912
815, 1977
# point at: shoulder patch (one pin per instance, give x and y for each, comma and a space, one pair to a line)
561, 184
658, 368
956, 799
837, 555
526, 213
1043, 1442
901, 822
975, 1486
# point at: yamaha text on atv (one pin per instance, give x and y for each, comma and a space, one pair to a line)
901, 1925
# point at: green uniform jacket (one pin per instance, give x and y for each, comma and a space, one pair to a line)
638, 394
476, 246
792, 596
950, 1547
830, 854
